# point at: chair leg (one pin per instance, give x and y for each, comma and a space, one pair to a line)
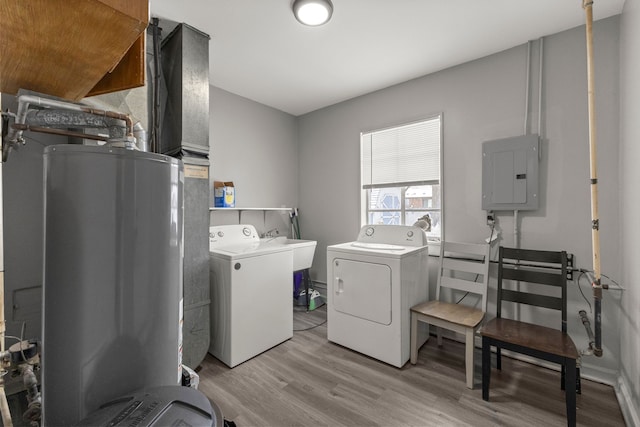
468, 358
486, 368
563, 375
570, 391
414, 338
578, 382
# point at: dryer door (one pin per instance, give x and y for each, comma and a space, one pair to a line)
362, 289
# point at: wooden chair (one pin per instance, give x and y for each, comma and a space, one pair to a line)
537, 272
461, 264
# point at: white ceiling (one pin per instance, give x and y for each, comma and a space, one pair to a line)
259, 51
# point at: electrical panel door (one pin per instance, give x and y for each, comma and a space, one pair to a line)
510, 173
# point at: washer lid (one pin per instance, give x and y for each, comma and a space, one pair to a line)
382, 246
380, 250
249, 250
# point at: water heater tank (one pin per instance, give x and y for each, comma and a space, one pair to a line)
112, 276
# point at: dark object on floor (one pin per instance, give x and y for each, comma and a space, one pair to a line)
537, 341
158, 406
313, 301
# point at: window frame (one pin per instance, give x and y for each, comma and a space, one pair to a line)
365, 192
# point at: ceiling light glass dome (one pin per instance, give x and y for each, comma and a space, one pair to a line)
313, 12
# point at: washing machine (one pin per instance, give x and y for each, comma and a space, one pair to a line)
251, 304
371, 285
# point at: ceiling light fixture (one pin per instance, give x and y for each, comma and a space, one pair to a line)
312, 12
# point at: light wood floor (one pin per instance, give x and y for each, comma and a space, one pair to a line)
308, 381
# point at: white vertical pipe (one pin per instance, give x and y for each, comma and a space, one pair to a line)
516, 230
540, 60
595, 221
527, 86
516, 244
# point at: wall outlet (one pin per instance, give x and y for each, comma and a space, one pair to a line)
491, 219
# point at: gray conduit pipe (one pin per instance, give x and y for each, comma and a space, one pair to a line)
14, 135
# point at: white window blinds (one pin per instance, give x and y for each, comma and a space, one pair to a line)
406, 155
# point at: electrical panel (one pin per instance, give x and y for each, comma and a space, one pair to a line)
510, 169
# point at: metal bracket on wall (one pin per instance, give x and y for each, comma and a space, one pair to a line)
570, 265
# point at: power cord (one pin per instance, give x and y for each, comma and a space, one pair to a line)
310, 327
582, 273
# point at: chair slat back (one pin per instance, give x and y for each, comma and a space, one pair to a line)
533, 267
528, 298
465, 267
530, 276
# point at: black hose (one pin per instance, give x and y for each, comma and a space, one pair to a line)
155, 113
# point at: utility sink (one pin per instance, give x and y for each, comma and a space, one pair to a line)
303, 250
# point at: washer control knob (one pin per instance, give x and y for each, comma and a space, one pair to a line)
409, 233
369, 231
220, 234
237, 266
246, 231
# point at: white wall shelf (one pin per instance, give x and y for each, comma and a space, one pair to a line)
240, 210
250, 209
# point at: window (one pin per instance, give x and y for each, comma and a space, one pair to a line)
400, 174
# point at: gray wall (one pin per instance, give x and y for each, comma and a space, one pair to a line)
629, 382
484, 100
256, 147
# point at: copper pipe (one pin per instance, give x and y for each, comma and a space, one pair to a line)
112, 115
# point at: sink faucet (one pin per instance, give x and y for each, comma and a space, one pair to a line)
271, 233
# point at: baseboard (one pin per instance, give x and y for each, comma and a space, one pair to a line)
597, 373
627, 406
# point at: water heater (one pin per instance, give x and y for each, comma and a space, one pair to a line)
112, 276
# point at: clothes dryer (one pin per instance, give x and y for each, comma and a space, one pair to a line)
251, 304
371, 285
